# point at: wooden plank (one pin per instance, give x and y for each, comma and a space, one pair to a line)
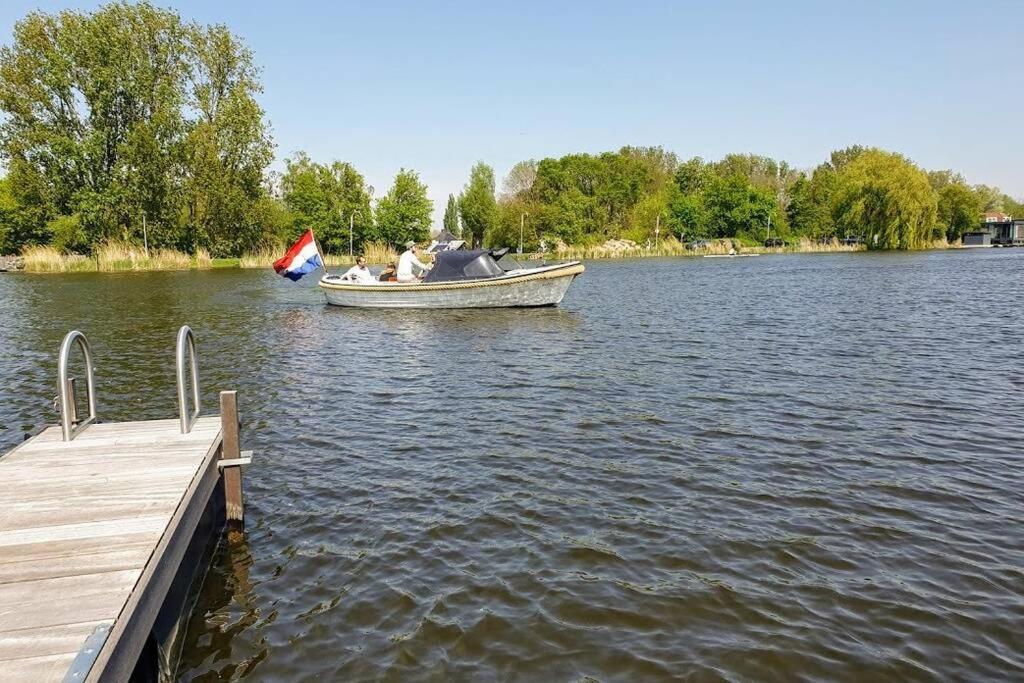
157, 452
44, 641
117, 658
50, 551
67, 532
64, 600
31, 478
89, 509
113, 558
37, 669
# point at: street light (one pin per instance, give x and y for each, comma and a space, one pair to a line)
522, 221
351, 221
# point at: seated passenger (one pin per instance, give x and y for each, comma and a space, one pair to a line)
359, 272
389, 273
408, 261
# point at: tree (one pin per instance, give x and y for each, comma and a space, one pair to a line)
810, 207
228, 144
403, 214
451, 216
959, 210
477, 204
735, 207
8, 208
519, 180
128, 114
886, 198
326, 199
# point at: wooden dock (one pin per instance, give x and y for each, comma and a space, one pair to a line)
93, 533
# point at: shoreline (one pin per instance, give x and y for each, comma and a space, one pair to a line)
74, 263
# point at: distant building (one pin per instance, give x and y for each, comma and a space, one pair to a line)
445, 241
978, 238
995, 217
1008, 233
997, 229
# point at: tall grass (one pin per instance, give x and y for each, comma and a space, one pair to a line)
671, 246
115, 256
379, 253
111, 256
50, 260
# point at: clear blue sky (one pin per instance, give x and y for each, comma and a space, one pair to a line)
438, 86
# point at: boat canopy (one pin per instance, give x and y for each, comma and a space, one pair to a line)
450, 266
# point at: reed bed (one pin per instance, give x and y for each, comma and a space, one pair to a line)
379, 253
673, 247
49, 260
111, 257
120, 256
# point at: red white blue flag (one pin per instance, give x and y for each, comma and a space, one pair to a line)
304, 257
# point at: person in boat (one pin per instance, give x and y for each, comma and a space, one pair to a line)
390, 273
408, 264
359, 272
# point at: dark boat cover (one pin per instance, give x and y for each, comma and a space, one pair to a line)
451, 266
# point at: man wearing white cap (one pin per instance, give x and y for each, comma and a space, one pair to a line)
407, 261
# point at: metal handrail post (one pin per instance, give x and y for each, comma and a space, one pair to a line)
187, 341
70, 425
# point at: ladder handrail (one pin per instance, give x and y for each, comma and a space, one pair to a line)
187, 341
69, 424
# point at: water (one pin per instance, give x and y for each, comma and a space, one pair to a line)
796, 467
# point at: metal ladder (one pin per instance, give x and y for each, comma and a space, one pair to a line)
72, 424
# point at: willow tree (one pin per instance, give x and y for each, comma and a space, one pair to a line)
886, 198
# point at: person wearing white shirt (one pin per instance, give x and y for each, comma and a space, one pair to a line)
407, 262
359, 273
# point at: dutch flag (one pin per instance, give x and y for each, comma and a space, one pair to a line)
302, 258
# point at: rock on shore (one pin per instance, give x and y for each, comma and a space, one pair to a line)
11, 263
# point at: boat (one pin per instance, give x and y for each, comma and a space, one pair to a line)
729, 255
461, 279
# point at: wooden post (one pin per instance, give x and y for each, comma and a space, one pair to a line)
230, 450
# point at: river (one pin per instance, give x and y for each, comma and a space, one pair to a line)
787, 467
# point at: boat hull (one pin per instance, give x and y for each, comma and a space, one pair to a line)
545, 286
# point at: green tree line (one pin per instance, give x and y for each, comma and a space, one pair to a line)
869, 193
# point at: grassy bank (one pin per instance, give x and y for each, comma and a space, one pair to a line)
673, 247
111, 257
120, 257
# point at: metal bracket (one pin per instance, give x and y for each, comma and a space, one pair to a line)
246, 459
86, 656
70, 423
187, 342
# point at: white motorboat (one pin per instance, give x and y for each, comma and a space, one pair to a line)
460, 279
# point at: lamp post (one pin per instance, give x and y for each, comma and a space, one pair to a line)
351, 223
522, 222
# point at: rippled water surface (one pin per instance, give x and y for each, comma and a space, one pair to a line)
794, 467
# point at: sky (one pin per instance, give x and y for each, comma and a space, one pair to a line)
435, 87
